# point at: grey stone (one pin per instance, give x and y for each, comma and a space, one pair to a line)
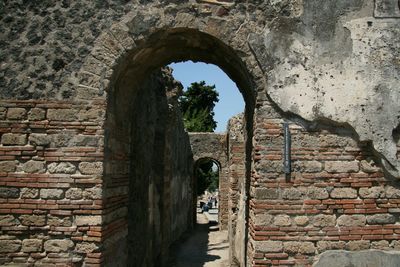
74, 193
32, 245
62, 114
330, 245
59, 221
93, 193
63, 167
51, 193
29, 193
342, 166
381, 245
381, 219
336, 258
14, 139
269, 246
7, 246
292, 193
86, 247
36, 114
16, 114
58, 245
294, 247
322, 220
358, 245
84, 140
263, 219
3, 112
282, 220
34, 166
81, 220
392, 192
8, 220
33, 220
9, 192
266, 193
372, 192
39, 139
344, 193
91, 167
8, 166
351, 220
301, 220
317, 193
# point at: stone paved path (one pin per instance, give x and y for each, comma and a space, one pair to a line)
204, 247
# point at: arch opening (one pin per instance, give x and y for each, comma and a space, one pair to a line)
144, 140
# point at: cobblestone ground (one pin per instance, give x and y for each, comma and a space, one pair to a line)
204, 246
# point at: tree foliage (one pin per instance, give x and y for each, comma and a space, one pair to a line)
197, 105
207, 177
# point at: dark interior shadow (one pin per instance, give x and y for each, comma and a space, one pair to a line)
192, 250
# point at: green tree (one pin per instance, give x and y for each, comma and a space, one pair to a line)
197, 105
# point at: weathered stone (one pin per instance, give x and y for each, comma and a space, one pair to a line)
8, 166
10, 246
39, 139
342, 166
86, 247
93, 193
14, 139
91, 167
392, 192
282, 220
36, 114
359, 258
322, 220
29, 193
368, 166
269, 246
58, 245
33, 220
3, 112
73, 193
317, 193
51, 193
62, 114
263, 219
292, 194
9, 192
294, 247
84, 140
8, 220
308, 166
372, 192
266, 193
358, 245
63, 167
32, 245
34, 166
16, 114
382, 245
395, 244
344, 193
59, 221
301, 220
351, 220
381, 219
88, 220
329, 245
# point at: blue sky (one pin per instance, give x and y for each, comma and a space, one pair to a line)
230, 99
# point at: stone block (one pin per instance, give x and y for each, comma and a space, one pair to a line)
73, 193
91, 168
3, 112
62, 114
282, 220
84, 140
81, 220
352, 220
16, 114
51, 193
322, 220
342, 166
8, 220
9, 192
317, 193
37, 114
63, 167
308, 166
58, 245
86, 247
8, 246
392, 192
301, 220
358, 245
344, 193
266, 193
269, 246
93, 193
294, 247
263, 219
32, 245
372, 192
34, 166
33, 220
360, 258
29, 193
381, 219
329, 245
39, 139
292, 194
12, 139
59, 221
382, 245
368, 166
8, 166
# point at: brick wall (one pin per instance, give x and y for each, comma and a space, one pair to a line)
335, 197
